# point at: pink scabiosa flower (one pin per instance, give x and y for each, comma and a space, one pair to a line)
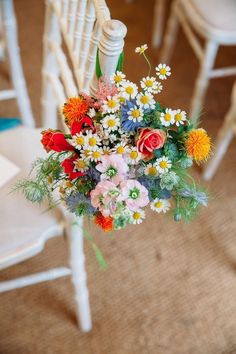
104, 197
134, 194
112, 167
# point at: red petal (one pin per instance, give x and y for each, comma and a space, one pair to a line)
60, 143
77, 126
68, 167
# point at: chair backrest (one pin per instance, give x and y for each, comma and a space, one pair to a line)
83, 32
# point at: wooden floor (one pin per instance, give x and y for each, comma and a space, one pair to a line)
170, 288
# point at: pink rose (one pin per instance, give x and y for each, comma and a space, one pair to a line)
149, 140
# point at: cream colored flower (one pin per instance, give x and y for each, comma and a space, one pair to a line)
141, 49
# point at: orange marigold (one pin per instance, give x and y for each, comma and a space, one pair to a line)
106, 223
198, 145
74, 109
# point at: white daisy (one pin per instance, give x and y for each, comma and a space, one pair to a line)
81, 165
180, 117
141, 49
135, 114
117, 78
106, 150
96, 154
163, 164
151, 85
168, 117
128, 89
92, 141
84, 154
160, 205
78, 141
120, 148
137, 216
163, 71
145, 100
132, 155
111, 104
151, 170
111, 122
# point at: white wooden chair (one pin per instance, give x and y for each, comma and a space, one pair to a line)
9, 42
85, 27
215, 22
158, 22
225, 135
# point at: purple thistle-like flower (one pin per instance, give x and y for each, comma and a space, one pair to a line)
199, 196
79, 204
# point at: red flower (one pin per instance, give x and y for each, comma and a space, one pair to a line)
106, 223
78, 126
68, 167
149, 140
56, 141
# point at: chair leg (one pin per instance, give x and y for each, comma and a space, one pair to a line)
158, 22
224, 138
170, 36
17, 75
201, 85
79, 277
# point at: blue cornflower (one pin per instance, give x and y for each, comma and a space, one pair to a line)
126, 123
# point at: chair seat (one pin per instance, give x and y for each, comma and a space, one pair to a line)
213, 18
29, 224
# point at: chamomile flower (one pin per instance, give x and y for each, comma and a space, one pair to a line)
163, 71
106, 150
145, 100
150, 84
132, 155
151, 170
111, 123
92, 141
78, 141
160, 205
81, 165
141, 49
163, 164
117, 78
137, 216
84, 154
180, 117
95, 155
167, 118
111, 104
120, 149
135, 114
128, 89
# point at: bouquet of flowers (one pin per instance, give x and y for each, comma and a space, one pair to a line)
123, 152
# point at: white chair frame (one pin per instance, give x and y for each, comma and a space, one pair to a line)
182, 12
84, 26
9, 42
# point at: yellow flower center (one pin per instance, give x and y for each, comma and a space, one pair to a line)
96, 154
149, 83
111, 103
86, 153
152, 171
80, 164
133, 155
68, 184
167, 117
135, 113
122, 99
92, 141
117, 78
158, 204
129, 90
80, 140
120, 150
163, 164
163, 71
178, 117
144, 99
111, 123
106, 152
136, 215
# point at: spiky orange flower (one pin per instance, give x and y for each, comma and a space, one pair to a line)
198, 145
74, 109
106, 223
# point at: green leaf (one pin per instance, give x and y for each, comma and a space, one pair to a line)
120, 62
99, 256
98, 67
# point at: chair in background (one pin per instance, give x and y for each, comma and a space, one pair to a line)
215, 22
85, 27
226, 134
9, 43
158, 22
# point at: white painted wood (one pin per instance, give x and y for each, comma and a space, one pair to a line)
158, 22
7, 95
225, 135
215, 22
79, 277
32, 279
16, 71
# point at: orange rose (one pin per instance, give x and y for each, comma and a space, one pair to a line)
149, 140
47, 139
